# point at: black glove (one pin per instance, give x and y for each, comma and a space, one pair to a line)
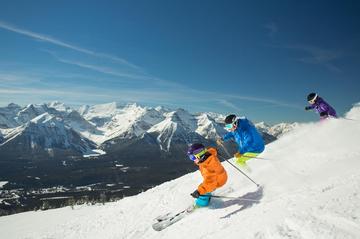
195, 194
308, 108
323, 115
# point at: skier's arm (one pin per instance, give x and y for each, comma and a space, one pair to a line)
208, 185
309, 107
228, 136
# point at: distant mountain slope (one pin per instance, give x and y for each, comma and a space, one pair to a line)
45, 136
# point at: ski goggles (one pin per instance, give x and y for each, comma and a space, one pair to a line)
229, 126
312, 101
196, 155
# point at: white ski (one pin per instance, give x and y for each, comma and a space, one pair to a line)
166, 220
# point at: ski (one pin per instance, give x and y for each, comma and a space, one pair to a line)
163, 217
166, 220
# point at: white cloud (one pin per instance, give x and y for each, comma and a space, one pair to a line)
104, 69
265, 100
134, 75
16, 78
319, 56
95, 94
229, 105
61, 43
272, 28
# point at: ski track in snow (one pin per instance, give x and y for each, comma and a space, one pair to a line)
310, 189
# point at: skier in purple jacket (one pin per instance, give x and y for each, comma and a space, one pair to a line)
321, 106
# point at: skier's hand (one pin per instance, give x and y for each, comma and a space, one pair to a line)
307, 108
195, 194
219, 142
237, 155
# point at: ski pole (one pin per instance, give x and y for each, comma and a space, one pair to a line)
240, 171
239, 198
223, 147
349, 119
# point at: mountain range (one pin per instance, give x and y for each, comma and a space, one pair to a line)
54, 130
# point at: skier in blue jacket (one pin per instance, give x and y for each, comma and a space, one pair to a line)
248, 139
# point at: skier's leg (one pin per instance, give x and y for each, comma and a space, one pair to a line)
241, 161
203, 200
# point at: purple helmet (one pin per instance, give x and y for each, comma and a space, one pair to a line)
196, 151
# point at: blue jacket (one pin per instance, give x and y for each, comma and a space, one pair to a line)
247, 137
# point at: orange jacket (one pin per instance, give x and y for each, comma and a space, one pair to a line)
213, 173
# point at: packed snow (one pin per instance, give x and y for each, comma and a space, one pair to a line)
310, 188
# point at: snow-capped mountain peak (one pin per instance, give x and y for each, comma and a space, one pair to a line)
44, 118
43, 133
113, 122
208, 128
276, 130
99, 111
7, 116
13, 106
30, 112
262, 125
61, 107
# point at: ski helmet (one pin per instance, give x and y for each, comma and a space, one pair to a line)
312, 97
230, 119
231, 122
196, 151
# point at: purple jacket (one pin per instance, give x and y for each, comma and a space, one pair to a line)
321, 106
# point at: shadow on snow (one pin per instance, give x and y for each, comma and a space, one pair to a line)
245, 201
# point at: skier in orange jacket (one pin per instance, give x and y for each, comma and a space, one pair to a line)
214, 174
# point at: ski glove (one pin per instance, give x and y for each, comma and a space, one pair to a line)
308, 108
195, 194
323, 115
219, 142
237, 155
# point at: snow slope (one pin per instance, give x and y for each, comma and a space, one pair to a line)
310, 181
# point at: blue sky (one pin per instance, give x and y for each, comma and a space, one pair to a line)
254, 58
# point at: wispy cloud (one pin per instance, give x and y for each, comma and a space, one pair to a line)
319, 56
181, 96
272, 28
157, 90
226, 99
54, 41
229, 105
12, 78
104, 69
93, 95
266, 100
114, 71
6, 77
30, 94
